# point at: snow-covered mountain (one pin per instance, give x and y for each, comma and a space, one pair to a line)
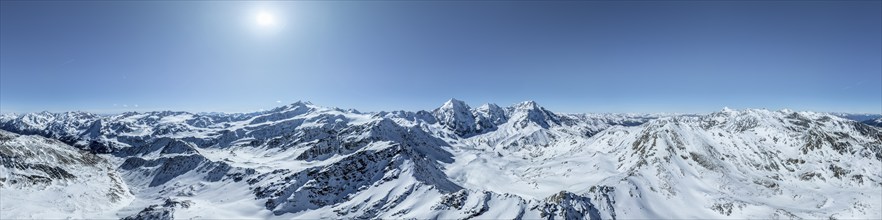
454, 162
874, 122
857, 117
43, 178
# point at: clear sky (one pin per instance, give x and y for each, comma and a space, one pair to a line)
636, 56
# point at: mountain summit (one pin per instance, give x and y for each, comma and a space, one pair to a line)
456, 116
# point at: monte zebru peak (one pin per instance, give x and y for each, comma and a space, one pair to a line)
454, 162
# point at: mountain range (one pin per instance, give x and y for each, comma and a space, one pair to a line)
454, 162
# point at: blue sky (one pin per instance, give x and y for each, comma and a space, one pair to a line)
638, 56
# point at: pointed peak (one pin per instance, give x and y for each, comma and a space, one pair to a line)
454, 101
300, 103
454, 104
527, 105
456, 116
489, 106
297, 104
529, 112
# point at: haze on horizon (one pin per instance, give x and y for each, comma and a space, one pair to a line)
241, 56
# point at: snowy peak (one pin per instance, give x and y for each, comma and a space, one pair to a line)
295, 105
525, 113
456, 116
758, 133
748, 119
526, 105
454, 104
285, 112
489, 108
857, 117
47, 124
490, 115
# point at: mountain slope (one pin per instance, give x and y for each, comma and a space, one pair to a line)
44, 178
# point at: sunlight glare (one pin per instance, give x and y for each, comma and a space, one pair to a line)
265, 19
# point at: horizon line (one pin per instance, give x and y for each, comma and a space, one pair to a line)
99, 111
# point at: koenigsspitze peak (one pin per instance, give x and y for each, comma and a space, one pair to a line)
457, 116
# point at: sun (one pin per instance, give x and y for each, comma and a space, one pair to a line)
265, 19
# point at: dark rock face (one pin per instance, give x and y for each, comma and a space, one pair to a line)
567, 205
317, 187
163, 211
51, 172
153, 212
327, 185
164, 169
14, 157
454, 200
164, 145
178, 147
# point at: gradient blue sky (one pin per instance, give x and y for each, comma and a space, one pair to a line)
637, 56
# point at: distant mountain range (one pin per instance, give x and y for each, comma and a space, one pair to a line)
858, 117
874, 122
455, 162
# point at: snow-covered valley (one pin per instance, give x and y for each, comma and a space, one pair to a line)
454, 162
